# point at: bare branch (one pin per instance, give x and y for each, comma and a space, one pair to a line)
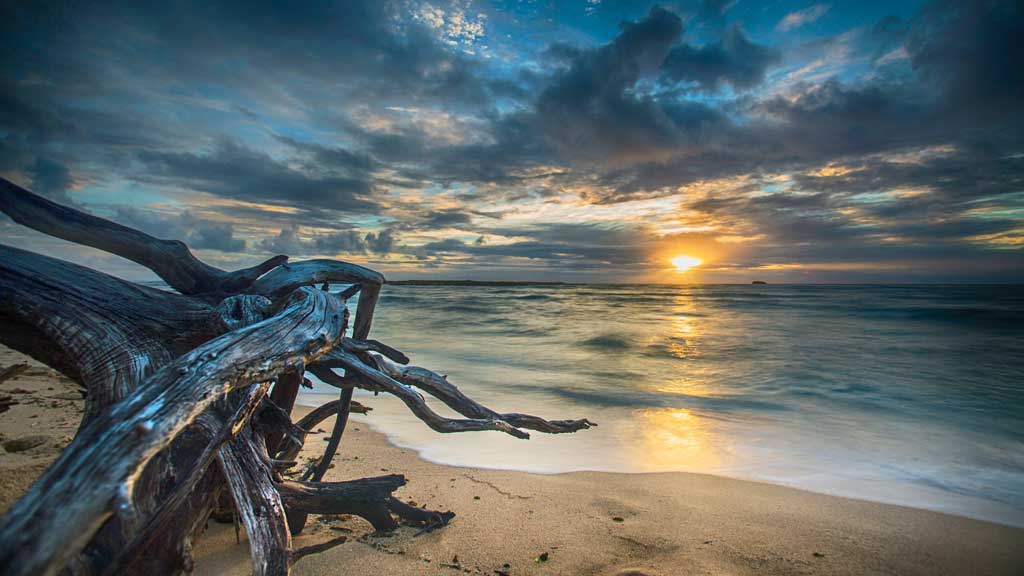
175, 378
438, 386
94, 475
243, 461
171, 260
356, 346
302, 428
286, 278
367, 498
316, 473
412, 399
429, 519
117, 335
217, 429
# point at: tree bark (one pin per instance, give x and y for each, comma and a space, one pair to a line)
189, 393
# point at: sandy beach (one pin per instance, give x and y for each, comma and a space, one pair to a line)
579, 523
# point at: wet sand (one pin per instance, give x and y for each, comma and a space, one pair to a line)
577, 523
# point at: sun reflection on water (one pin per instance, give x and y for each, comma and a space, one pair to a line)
675, 439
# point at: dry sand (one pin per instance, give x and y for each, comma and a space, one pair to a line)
585, 523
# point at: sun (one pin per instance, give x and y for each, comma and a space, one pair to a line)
684, 263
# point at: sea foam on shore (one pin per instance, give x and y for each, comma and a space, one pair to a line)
903, 394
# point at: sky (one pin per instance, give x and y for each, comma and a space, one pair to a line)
833, 142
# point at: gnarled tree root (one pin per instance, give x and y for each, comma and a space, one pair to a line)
189, 394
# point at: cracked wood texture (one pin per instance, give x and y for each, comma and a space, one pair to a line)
178, 382
171, 260
94, 476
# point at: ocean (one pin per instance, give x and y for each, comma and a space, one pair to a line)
912, 395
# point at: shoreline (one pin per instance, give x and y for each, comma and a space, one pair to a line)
600, 523
636, 524
439, 450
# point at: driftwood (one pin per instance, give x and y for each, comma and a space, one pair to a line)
188, 398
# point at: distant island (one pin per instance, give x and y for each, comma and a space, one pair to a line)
758, 282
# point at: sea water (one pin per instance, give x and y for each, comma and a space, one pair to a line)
911, 395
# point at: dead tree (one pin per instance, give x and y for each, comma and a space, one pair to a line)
189, 393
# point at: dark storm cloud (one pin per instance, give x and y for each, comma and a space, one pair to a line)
447, 218
733, 60
590, 111
382, 242
555, 255
251, 43
587, 111
421, 217
216, 236
195, 231
567, 246
335, 158
36, 122
512, 145
950, 176
231, 170
656, 145
83, 79
972, 51
290, 240
337, 108
50, 178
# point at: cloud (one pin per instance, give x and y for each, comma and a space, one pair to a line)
216, 236
51, 179
196, 232
382, 242
795, 20
711, 12
734, 60
231, 170
560, 246
447, 218
588, 113
291, 240
971, 51
332, 158
331, 127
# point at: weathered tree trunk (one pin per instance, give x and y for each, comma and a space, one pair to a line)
188, 393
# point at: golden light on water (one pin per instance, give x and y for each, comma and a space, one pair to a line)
675, 439
684, 263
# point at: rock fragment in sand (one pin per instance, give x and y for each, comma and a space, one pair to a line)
67, 396
12, 371
6, 401
25, 443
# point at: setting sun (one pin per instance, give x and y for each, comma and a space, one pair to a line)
684, 263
